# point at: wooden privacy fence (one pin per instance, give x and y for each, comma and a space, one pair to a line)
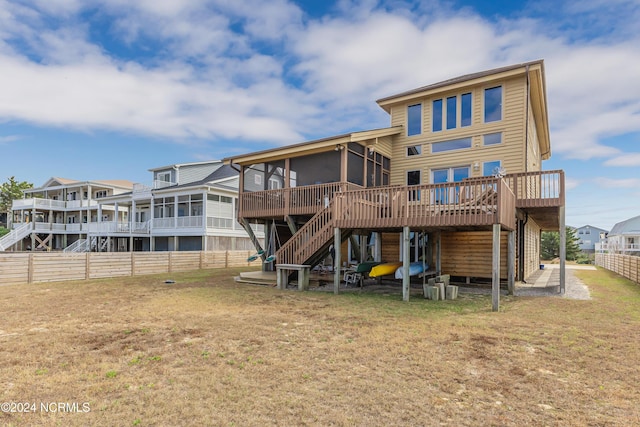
627, 266
35, 267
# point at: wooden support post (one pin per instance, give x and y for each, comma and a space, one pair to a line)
438, 253
495, 283
337, 240
377, 247
133, 264
170, 266
406, 280
563, 249
87, 266
291, 224
511, 260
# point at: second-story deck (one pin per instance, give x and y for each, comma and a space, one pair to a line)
471, 203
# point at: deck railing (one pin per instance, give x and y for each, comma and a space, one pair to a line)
308, 239
478, 202
531, 190
537, 189
305, 200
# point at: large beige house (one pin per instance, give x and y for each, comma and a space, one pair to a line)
456, 178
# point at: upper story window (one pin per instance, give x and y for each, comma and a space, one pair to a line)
163, 176
437, 116
451, 112
414, 119
465, 110
414, 150
454, 144
493, 104
457, 112
101, 193
492, 138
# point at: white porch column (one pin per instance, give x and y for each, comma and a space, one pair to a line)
175, 212
152, 210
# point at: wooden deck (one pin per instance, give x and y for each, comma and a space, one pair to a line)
474, 202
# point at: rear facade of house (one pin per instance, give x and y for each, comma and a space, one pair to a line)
459, 168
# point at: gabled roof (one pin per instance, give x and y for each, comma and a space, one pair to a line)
55, 181
214, 179
311, 147
179, 165
467, 79
533, 70
629, 227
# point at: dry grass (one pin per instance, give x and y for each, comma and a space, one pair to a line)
207, 351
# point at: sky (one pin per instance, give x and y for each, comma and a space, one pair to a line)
107, 89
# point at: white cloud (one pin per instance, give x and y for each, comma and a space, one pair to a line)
9, 138
628, 159
254, 70
571, 183
617, 183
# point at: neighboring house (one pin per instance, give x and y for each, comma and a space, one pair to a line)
624, 237
61, 212
590, 236
190, 207
458, 169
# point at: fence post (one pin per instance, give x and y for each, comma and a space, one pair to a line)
30, 269
86, 266
201, 259
226, 259
133, 263
170, 266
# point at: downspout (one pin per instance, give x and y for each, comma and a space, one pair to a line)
521, 242
526, 125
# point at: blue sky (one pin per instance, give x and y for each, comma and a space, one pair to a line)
107, 89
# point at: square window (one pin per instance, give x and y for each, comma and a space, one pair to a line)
414, 119
490, 168
414, 150
492, 138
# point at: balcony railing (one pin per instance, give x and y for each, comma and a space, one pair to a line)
179, 222
36, 202
478, 202
306, 200
537, 189
531, 190
50, 204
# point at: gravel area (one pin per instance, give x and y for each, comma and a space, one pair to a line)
547, 283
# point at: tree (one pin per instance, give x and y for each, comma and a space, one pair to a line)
10, 191
550, 244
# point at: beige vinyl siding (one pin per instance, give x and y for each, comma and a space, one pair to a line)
531, 248
512, 126
534, 162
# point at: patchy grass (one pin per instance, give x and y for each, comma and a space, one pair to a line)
208, 351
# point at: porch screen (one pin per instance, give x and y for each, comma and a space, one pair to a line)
317, 168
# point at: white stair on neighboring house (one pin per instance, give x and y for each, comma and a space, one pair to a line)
79, 245
15, 236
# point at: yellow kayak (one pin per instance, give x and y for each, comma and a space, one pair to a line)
385, 269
